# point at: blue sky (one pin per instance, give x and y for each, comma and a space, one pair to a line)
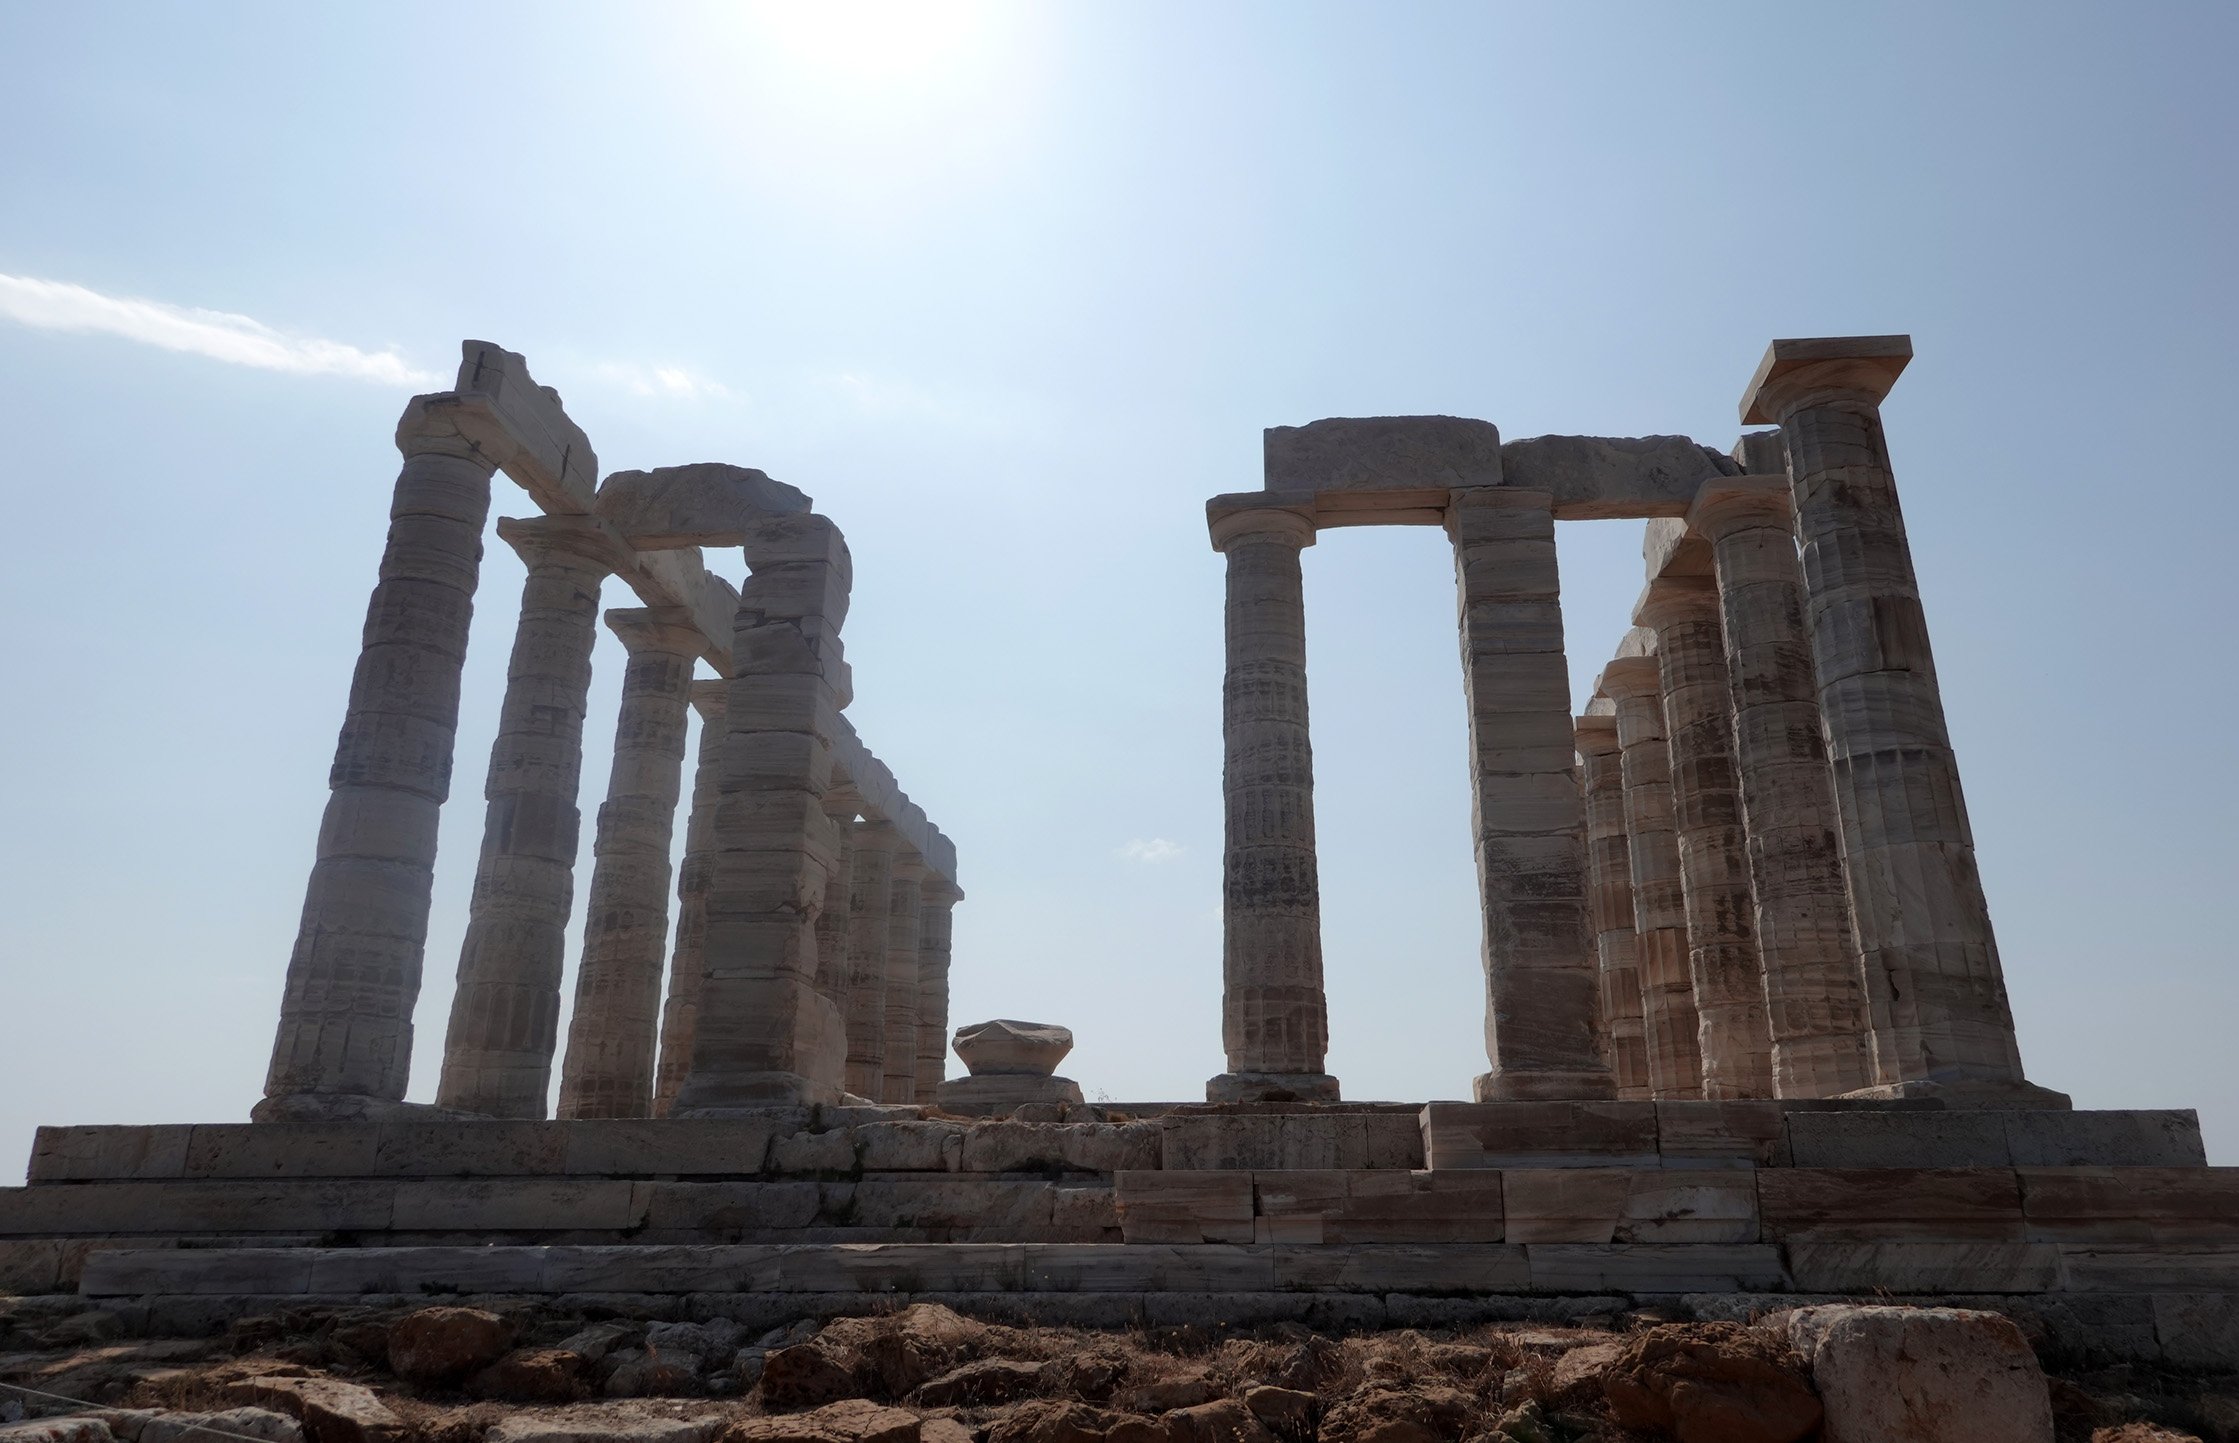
1010, 290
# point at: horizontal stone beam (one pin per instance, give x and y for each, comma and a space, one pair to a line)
706, 503
884, 799
523, 427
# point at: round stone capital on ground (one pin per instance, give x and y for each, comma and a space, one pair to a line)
1631, 676
662, 630
1283, 528
1675, 601
1009, 1048
997, 1094
1742, 503
1272, 1087
1597, 736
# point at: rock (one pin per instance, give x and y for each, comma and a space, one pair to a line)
1921, 1375
1284, 1410
746, 1366
57, 1430
942, 1430
1050, 1422
1223, 1421
1095, 1376
592, 1344
1381, 1413
588, 1427
93, 1326
712, 1342
533, 1375
807, 1374
921, 1342
1007, 1048
199, 1427
638, 1373
1713, 1383
1528, 1424
2142, 1433
991, 1380
1313, 1364
436, 1347
1133, 1428
853, 1421
1459, 1360
1579, 1372
799, 1331
330, 1410
1166, 1394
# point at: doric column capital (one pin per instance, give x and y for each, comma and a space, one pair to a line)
1281, 527
1741, 503
1597, 736
940, 891
908, 865
711, 699
1799, 373
429, 427
1631, 676
874, 835
571, 542
666, 630
1675, 600
843, 803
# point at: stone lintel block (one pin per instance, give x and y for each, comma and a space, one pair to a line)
1847, 1265
2131, 1204
1672, 551
706, 503
1744, 1133
1598, 477
1383, 453
80, 1154
1630, 1205
523, 425
1875, 361
1449, 1268
1317, 1207
1539, 1134
1185, 1207
1655, 1268
1925, 1204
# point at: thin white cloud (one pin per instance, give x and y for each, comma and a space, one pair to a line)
1152, 849
673, 381
217, 335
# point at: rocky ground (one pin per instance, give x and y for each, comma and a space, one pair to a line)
536, 1374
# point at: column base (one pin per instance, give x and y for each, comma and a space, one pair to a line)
1272, 1087
1969, 1092
1544, 1087
343, 1107
753, 1092
989, 1094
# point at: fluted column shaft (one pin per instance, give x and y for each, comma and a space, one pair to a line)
680, 1009
1916, 894
1542, 982
344, 1042
870, 906
1815, 997
505, 1016
613, 1034
1274, 1014
935, 930
1713, 844
1670, 1026
905, 920
842, 806
1609, 871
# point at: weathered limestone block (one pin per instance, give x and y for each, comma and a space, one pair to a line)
1392, 1206
870, 916
497, 1053
1302, 1139
727, 1210
936, 934
1654, 1268
1823, 1036
1274, 1014
1884, 1373
613, 1036
1607, 476
1542, 981
344, 1044
687, 964
706, 503
1039, 1147
522, 427
905, 922
1861, 1138
1930, 1205
1907, 847
1185, 1207
2131, 1204
1732, 1133
1670, 1028
1722, 957
1609, 872
1540, 1134
1630, 1205
1865, 1266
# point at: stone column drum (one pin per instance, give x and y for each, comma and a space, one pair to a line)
842, 806
1669, 1024
505, 1017
613, 1034
870, 905
1713, 846
1542, 982
935, 930
1916, 894
1815, 996
765, 1035
344, 1047
1609, 870
681, 1008
1274, 1013
905, 920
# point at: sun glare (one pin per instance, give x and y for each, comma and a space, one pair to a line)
869, 41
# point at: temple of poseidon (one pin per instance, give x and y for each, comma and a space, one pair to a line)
1747, 1035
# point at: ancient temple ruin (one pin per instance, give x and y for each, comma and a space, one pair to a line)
1746, 1023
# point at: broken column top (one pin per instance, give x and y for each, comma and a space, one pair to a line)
1877, 361
1008, 1048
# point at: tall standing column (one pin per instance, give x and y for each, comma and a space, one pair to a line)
1542, 982
1274, 1013
505, 1017
842, 805
1713, 845
1815, 998
1609, 869
1669, 1024
344, 1047
934, 945
870, 904
613, 1034
1923, 922
680, 1010
905, 919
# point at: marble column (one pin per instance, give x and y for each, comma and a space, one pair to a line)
1722, 955
1542, 982
842, 805
344, 1045
905, 920
1609, 870
765, 1035
1916, 894
1815, 996
1670, 1027
1274, 1013
935, 929
870, 905
687, 963
505, 1017
613, 1035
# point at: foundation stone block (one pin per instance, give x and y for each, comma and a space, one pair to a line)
1540, 1134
